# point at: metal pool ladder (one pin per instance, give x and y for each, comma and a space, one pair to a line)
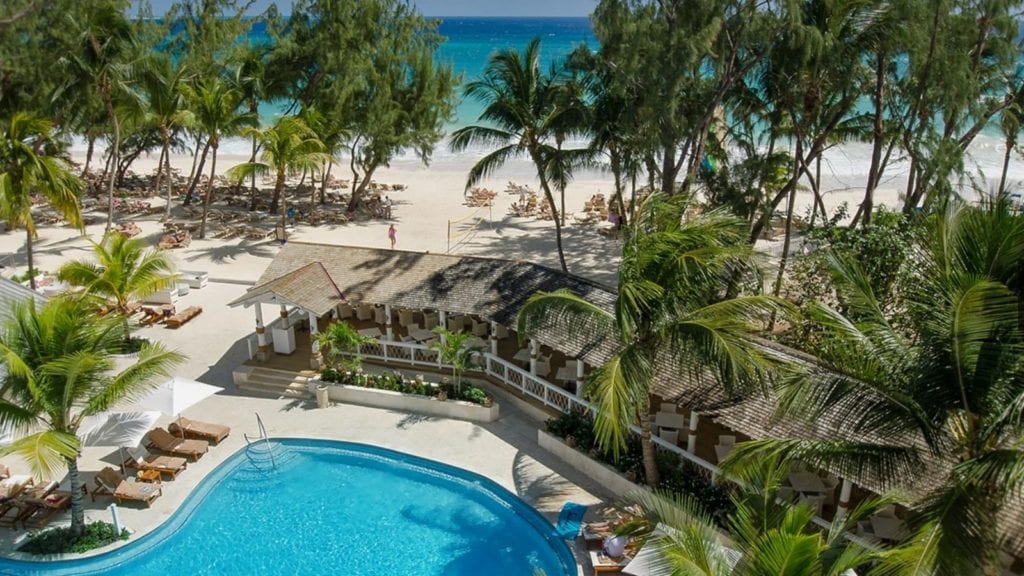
262, 436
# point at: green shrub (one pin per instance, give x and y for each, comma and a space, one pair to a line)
398, 383
60, 541
474, 394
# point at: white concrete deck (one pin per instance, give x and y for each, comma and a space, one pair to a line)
505, 451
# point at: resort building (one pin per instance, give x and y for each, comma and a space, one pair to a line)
399, 297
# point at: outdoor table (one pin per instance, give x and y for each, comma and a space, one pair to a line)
807, 482
475, 342
419, 334
522, 356
373, 332
670, 420
566, 373
888, 528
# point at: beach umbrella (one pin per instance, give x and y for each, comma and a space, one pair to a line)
118, 429
176, 395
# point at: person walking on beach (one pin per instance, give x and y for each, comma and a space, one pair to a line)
387, 208
392, 235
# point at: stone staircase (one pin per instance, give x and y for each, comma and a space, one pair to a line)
273, 382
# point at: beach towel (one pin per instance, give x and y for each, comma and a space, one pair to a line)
570, 520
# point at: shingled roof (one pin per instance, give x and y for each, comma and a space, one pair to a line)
309, 287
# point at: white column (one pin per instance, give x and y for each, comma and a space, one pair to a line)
579, 377
387, 323
534, 352
263, 349
844, 499
691, 439
494, 337
314, 328
442, 321
284, 317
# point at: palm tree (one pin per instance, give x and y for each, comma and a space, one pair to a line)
124, 272
103, 63
768, 534
27, 167
452, 348
941, 384
340, 340
162, 82
670, 303
287, 147
217, 111
523, 115
59, 371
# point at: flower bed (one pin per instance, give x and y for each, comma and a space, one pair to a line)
396, 392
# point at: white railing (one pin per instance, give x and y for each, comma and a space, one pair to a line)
532, 385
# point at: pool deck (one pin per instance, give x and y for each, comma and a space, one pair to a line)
505, 451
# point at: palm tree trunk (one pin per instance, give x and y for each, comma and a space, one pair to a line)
28, 256
159, 171
170, 177
198, 174
278, 193
558, 225
77, 508
647, 445
789, 222
323, 184
1006, 163
878, 135
88, 155
209, 190
113, 172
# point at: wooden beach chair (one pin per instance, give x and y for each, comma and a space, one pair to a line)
109, 482
181, 318
140, 459
212, 433
164, 441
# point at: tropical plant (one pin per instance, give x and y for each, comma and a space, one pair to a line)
103, 64
217, 111
162, 85
28, 165
524, 114
929, 396
451, 346
124, 272
60, 371
671, 303
340, 344
768, 534
287, 147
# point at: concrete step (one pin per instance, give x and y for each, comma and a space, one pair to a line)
277, 382
299, 391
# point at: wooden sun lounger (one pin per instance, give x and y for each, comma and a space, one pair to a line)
212, 433
110, 483
170, 465
164, 441
184, 316
13, 509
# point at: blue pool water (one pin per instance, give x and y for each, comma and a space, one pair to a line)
335, 507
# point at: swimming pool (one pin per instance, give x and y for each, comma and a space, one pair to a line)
337, 507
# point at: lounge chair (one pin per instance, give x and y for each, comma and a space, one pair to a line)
12, 484
140, 459
212, 433
184, 316
110, 483
164, 441
12, 510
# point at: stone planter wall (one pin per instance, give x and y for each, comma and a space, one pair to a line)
408, 402
601, 473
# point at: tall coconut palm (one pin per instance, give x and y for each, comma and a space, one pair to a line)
124, 271
218, 114
162, 83
59, 371
287, 147
767, 534
523, 115
28, 166
943, 383
670, 304
103, 64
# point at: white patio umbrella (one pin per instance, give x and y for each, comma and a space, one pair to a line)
118, 429
177, 394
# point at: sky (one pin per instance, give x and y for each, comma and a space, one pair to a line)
548, 8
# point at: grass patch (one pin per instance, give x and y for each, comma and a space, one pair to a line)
60, 541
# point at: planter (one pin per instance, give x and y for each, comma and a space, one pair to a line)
410, 403
607, 477
322, 395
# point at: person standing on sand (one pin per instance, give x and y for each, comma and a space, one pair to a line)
392, 235
387, 208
